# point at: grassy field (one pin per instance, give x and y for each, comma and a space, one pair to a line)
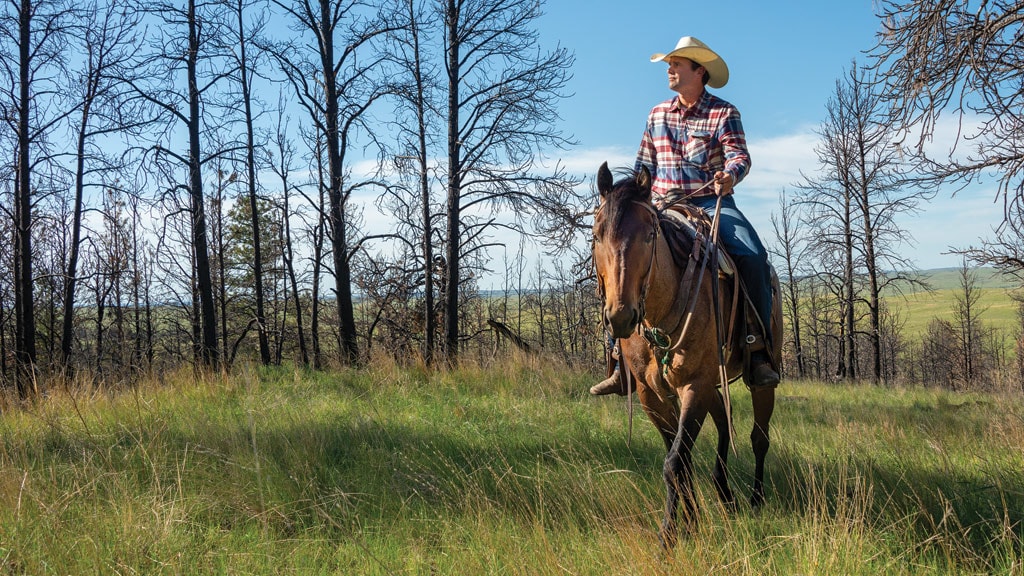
512, 469
918, 307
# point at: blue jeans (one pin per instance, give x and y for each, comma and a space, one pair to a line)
737, 236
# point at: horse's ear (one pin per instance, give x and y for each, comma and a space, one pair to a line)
643, 180
604, 179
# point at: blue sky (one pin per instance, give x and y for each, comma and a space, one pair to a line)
784, 59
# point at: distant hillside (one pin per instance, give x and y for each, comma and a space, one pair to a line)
919, 307
949, 279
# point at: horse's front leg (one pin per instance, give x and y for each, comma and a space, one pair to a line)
764, 405
678, 469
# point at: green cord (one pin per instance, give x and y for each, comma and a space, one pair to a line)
658, 339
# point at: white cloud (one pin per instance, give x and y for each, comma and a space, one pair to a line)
585, 162
776, 163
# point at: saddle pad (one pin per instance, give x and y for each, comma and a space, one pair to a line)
682, 226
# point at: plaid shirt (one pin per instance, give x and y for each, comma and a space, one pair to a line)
684, 147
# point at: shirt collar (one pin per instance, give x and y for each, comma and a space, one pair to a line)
701, 104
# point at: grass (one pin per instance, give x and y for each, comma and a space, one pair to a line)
917, 308
512, 469
998, 310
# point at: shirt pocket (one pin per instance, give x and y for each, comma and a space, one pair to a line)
698, 148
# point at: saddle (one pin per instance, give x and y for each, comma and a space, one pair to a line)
686, 225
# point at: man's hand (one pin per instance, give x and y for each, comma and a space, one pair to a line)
723, 183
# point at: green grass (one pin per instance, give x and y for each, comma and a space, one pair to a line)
998, 310
507, 470
918, 308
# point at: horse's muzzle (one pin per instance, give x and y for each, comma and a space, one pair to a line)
621, 320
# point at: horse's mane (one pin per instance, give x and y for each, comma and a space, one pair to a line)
623, 191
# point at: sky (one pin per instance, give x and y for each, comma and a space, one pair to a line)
784, 59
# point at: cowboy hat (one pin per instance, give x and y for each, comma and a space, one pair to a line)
693, 49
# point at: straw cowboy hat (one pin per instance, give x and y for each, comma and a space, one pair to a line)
693, 49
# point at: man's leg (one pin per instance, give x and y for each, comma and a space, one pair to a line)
740, 240
613, 383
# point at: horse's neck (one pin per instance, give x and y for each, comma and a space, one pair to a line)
665, 287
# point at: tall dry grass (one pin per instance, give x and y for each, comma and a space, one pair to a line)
494, 468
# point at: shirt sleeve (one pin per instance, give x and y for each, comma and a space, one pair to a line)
734, 146
647, 155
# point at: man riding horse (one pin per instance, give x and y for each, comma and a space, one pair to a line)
691, 140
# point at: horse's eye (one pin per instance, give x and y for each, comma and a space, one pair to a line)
650, 237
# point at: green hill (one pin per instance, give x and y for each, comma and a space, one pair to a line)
918, 307
949, 278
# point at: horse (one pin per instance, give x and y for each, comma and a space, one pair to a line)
667, 340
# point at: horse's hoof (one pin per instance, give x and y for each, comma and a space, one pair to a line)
756, 501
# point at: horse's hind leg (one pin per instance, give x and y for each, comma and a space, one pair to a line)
764, 404
721, 473
678, 469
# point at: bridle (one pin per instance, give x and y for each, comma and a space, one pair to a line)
646, 284
654, 335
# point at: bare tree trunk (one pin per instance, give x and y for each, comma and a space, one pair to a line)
137, 276
250, 166
453, 240
101, 308
282, 168
350, 84
429, 320
24, 319
204, 280
318, 255
874, 300
289, 262
70, 278
222, 288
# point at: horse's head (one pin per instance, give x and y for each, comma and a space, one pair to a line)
625, 234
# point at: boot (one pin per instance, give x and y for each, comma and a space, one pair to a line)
610, 385
761, 372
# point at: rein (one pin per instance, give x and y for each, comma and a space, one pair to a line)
722, 338
655, 337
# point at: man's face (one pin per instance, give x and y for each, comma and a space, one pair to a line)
681, 74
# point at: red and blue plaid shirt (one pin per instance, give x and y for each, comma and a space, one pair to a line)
684, 147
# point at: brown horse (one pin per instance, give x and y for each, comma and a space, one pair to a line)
646, 298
